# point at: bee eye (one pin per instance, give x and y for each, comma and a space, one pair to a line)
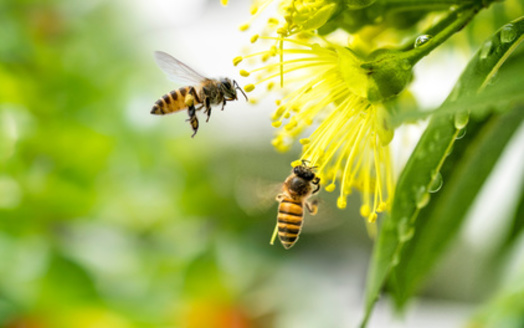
226, 84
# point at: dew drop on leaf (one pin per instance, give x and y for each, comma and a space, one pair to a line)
486, 50
461, 134
405, 231
461, 120
422, 40
436, 183
407, 235
422, 197
508, 34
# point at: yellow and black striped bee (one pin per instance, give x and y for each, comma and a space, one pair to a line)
201, 90
298, 187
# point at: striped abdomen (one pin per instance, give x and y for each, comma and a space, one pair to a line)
173, 101
289, 221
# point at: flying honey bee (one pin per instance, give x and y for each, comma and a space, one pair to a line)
201, 90
298, 187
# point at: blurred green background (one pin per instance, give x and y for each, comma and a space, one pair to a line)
112, 217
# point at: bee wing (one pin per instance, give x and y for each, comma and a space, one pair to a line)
256, 196
177, 71
327, 217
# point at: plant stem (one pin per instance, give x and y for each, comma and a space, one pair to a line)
455, 21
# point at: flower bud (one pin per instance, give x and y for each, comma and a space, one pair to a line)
389, 74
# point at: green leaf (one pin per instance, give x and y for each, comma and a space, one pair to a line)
463, 173
485, 63
426, 162
498, 96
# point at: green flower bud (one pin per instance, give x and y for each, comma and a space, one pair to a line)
389, 73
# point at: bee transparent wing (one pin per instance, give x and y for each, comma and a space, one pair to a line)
177, 71
326, 218
256, 196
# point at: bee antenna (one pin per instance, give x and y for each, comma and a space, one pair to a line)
239, 88
305, 162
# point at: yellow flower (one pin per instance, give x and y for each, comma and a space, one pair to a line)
349, 146
298, 15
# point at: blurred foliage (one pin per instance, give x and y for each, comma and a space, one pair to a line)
102, 223
108, 223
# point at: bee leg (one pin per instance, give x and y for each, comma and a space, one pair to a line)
312, 207
316, 181
279, 197
192, 119
223, 104
207, 103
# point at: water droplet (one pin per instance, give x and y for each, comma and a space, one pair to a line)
486, 49
407, 235
422, 40
508, 34
461, 134
436, 183
461, 120
405, 231
423, 201
422, 197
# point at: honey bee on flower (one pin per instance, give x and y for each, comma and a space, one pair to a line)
330, 89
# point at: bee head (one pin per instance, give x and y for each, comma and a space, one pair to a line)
229, 88
304, 172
